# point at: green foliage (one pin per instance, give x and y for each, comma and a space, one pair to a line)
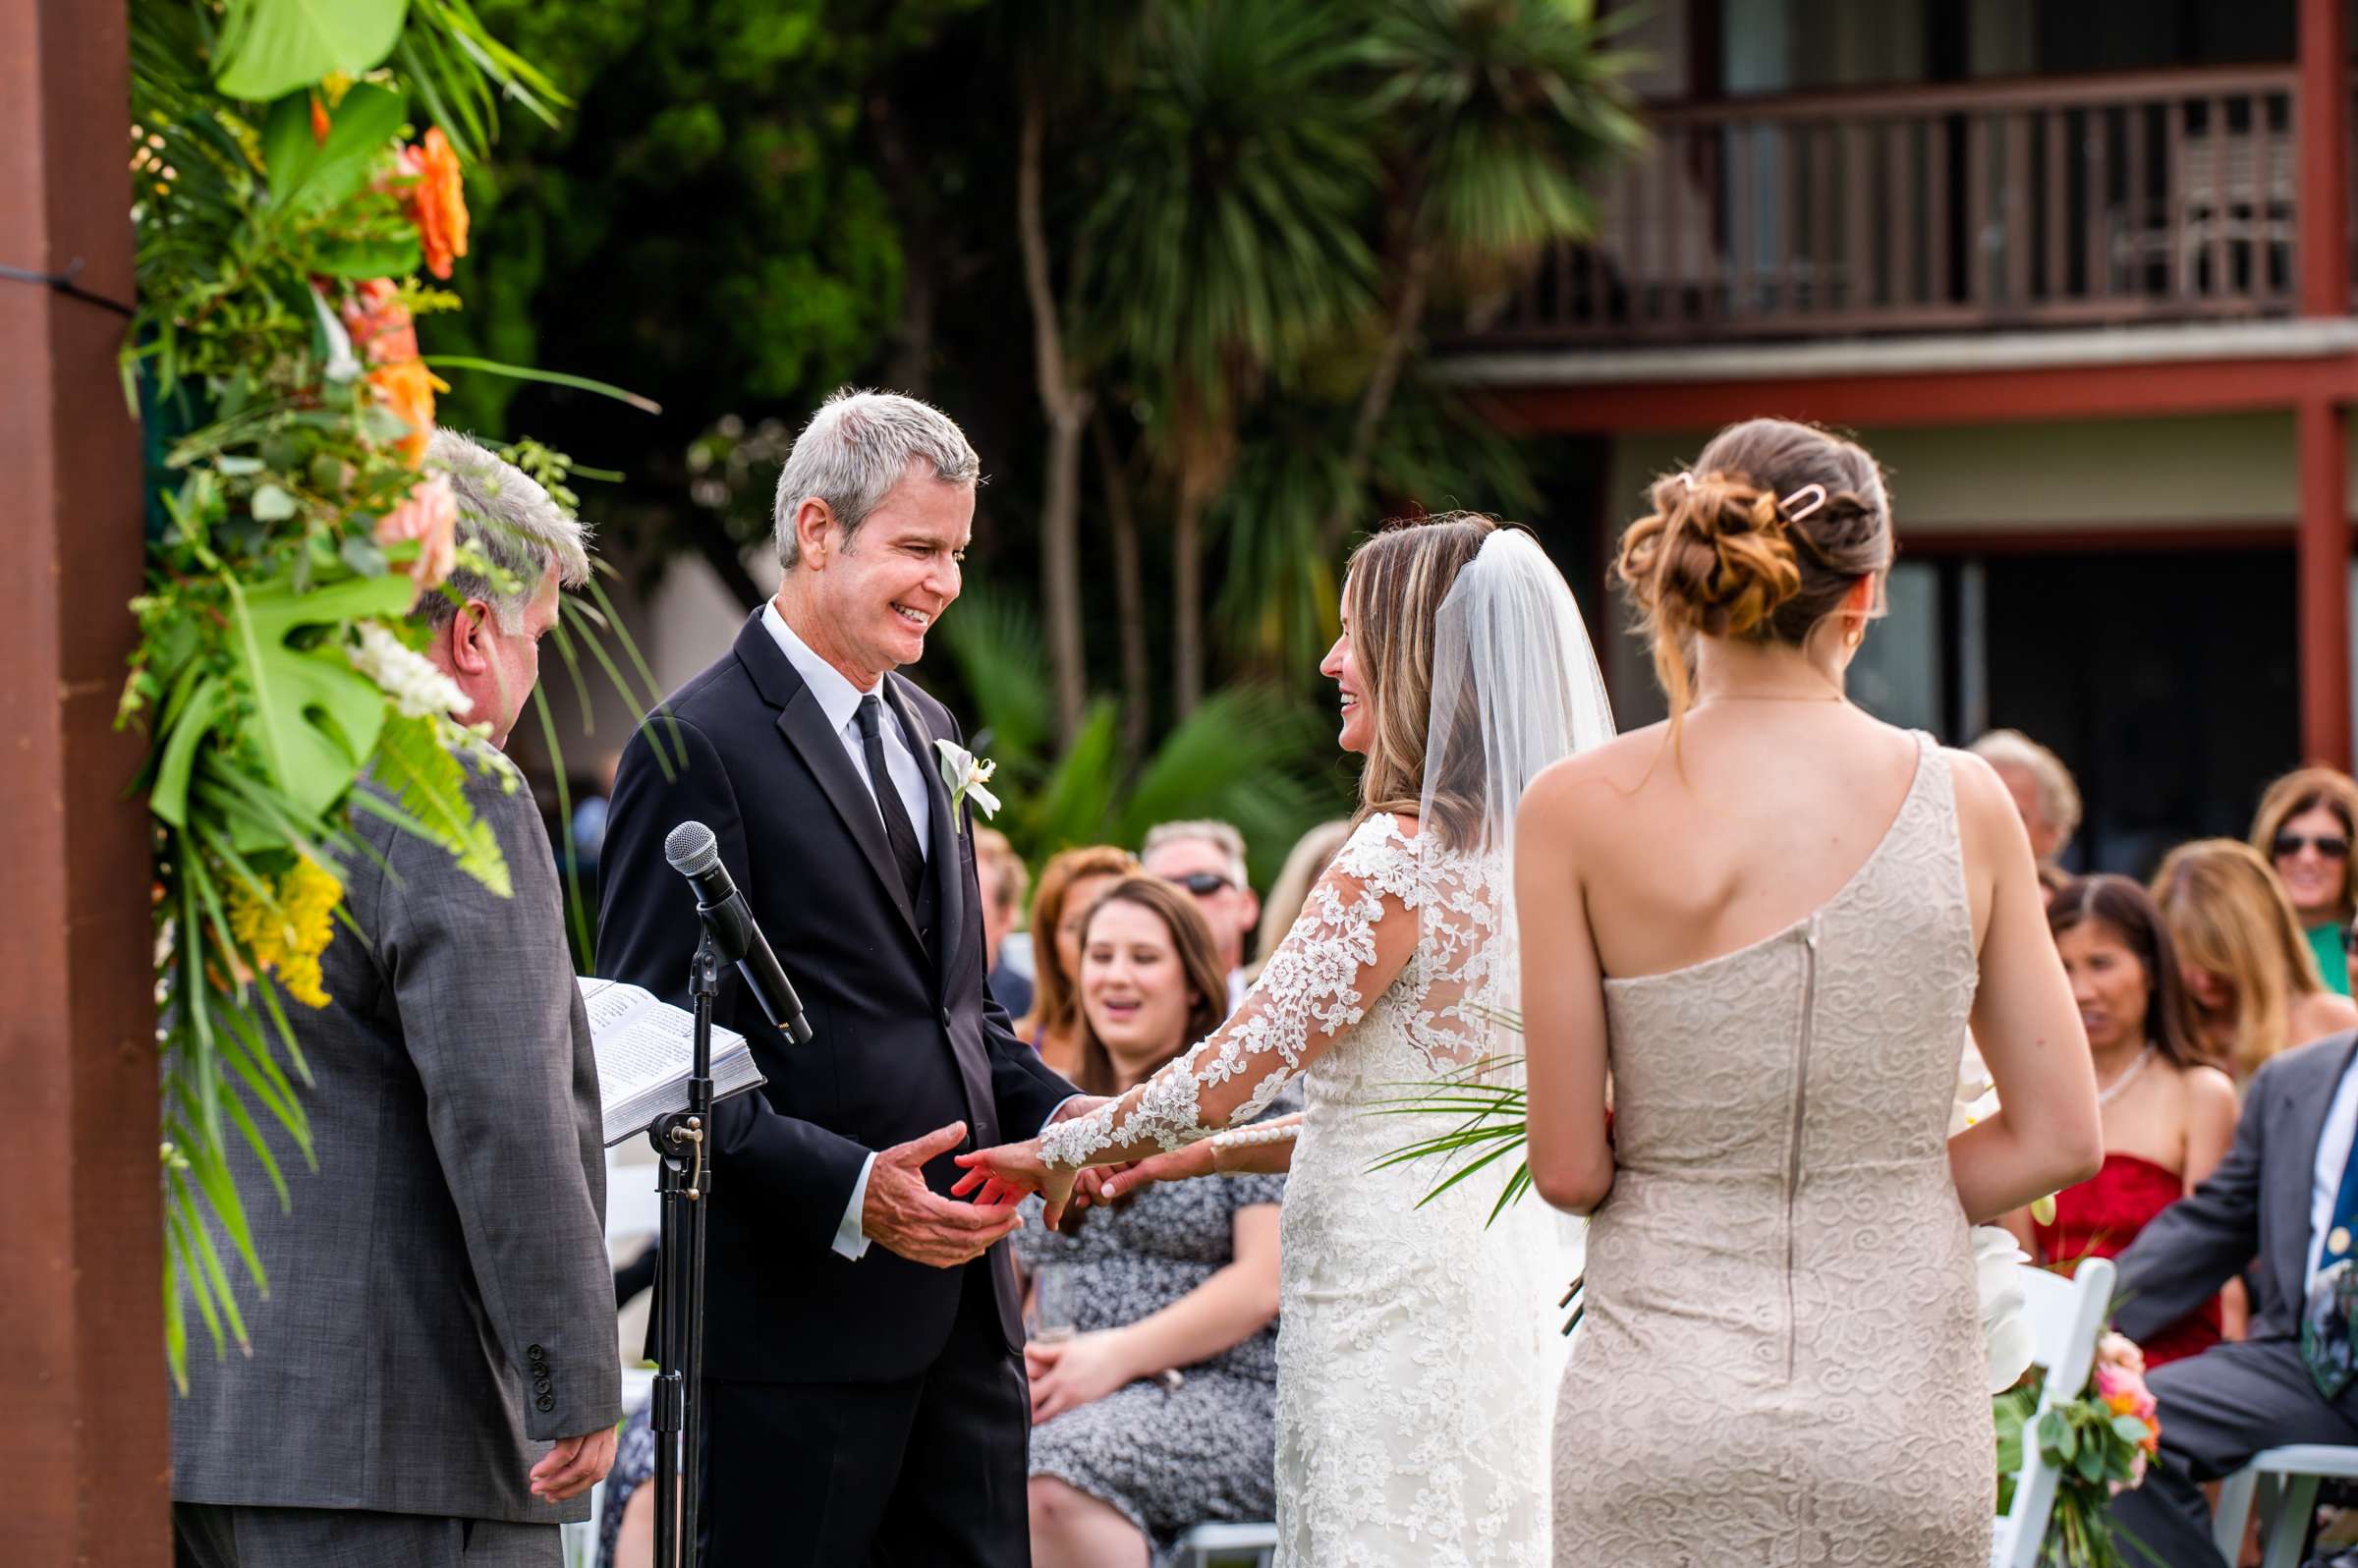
274, 46
415, 759
1248, 756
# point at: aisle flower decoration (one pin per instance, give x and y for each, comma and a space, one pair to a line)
2097, 1444
286, 201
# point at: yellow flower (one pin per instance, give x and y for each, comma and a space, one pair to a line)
287, 933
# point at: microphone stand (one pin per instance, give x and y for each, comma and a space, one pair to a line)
683, 1181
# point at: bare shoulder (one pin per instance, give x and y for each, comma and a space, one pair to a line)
2322, 1013
1575, 787
2208, 1090
1979, 789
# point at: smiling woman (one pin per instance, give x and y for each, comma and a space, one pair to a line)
2304, 825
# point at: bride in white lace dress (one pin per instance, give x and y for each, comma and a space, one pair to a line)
1415, 1342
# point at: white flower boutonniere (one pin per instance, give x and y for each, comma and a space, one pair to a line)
967, 776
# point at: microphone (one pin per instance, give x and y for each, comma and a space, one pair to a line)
695, 854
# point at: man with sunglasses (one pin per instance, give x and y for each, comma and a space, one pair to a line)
2284, 1202
1208, 859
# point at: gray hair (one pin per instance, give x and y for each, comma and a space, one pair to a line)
2059, 796
856, 448
518, 525
1222, 836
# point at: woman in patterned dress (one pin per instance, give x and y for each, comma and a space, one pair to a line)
1174, 1291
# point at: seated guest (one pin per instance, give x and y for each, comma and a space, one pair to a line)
2044, 796
1303, 865
1208, 859
1000, 871
1159, 1413
432, 1373
2168, 1116
2285, 1203
2304, 826
2249, 973
1068, 884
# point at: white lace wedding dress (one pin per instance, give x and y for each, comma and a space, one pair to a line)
1414, 1348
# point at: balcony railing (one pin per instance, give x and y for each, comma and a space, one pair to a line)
2054, 202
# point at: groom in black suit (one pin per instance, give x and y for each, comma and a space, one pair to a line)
863, 1399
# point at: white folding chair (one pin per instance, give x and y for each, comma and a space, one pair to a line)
2068, 1315
2283, 1481
1226, 1546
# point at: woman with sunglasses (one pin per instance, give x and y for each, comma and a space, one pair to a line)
2304, 826
2251, 979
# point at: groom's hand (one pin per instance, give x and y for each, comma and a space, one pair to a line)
906, 1217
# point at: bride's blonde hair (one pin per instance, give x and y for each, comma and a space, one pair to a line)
1394, 587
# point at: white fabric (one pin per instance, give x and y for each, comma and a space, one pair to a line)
1238, 985
1415, 1370
840, 701
2332, 1154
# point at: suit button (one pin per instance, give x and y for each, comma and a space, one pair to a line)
545, 1403
535, 1353
945, 1018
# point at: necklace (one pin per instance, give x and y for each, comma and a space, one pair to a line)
1771, 697
2105, 1096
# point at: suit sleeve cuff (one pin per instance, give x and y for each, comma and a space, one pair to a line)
851, 1240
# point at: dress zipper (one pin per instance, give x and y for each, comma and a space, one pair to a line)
1801, 1101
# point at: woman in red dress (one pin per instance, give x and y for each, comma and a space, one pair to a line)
2167, 1115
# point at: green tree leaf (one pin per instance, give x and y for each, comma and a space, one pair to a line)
271, 47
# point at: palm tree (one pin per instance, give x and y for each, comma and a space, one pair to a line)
1226, 241
1498, 113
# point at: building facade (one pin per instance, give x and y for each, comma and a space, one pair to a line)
2079, 272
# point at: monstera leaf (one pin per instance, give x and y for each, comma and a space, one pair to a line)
274, 46
315, 719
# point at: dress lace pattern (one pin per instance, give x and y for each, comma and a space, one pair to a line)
1412, 1404
1782, 1360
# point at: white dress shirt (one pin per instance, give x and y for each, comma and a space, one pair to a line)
840, 701
2332, 1154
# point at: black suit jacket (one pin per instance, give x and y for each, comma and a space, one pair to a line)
2253, 1210
905, 1037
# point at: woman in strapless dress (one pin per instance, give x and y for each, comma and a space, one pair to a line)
1770, 921
2169, 1117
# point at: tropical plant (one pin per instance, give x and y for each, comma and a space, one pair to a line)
284, 211
1249, 754
1225, 242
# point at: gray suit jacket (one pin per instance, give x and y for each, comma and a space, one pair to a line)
441, 1305
2253, 1209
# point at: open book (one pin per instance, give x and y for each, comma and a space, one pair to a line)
645, 1049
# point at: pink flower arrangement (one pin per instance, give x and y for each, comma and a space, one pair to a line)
429, 515
2120, 1387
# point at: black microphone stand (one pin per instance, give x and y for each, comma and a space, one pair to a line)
683, 1183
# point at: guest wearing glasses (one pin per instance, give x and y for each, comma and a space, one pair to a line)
2304, 826
2253, 980
1208, 859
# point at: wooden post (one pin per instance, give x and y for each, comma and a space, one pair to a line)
86, 1445
2323, 565
2322, 114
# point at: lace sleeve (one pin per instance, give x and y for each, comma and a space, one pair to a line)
1355, 934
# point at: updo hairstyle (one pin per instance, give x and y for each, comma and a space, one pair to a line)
1741, 545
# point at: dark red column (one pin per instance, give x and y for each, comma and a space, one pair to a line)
86, 1445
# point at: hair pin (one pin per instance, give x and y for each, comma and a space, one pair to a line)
1793, 506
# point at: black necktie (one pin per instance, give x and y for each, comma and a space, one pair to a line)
897, 830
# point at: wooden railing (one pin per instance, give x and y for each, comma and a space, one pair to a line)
2117, 199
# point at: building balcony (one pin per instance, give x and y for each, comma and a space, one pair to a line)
2161, 197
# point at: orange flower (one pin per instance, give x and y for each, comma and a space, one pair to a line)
436, 201
407, 388
429, 514
320, 124
379, 323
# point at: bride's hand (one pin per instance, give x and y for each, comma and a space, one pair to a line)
1008, 1173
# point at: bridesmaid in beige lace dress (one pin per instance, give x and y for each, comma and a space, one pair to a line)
1772, 920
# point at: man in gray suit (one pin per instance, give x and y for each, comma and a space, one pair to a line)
2281, 1202
435, 1379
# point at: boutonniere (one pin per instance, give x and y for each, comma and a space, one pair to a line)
967, 776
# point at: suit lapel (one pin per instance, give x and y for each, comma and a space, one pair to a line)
2288, 1194
803, 724
943, 864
